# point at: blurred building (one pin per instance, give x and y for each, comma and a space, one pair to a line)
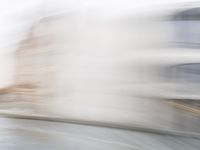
92, 64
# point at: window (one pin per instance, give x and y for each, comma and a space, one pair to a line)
187, 28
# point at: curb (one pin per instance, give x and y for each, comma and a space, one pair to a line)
133, 127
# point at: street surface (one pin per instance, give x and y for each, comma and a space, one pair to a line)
23, 134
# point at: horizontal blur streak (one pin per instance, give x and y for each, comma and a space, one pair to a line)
118, 62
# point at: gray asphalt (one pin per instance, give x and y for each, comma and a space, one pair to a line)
24, 134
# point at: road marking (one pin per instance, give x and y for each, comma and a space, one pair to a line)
195, 111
